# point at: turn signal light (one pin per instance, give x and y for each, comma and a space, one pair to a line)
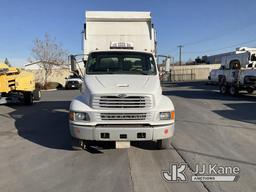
172, 115
71, 115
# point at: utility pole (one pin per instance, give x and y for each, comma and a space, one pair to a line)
180, 46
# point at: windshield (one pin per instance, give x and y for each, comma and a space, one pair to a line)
121, 63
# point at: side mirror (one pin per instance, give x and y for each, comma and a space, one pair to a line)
84, 62
73, 63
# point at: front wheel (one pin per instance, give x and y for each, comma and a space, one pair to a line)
28, 98
164, 143
233, 91
223, 89
76, 144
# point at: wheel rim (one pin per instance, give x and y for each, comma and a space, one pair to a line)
232, 91
223, 89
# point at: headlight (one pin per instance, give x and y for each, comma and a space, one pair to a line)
170, 115
78, 116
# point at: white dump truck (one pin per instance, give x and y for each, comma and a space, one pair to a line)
237, 72
121, 96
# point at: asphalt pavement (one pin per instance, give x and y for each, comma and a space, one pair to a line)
36, 155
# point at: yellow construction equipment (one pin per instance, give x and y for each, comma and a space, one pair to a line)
17, 85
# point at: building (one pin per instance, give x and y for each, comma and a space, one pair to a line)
215, 59
37, 65
58, 74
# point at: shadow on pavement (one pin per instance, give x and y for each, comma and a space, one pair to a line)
99, 147
245, 112
243, 107
224, 126
44, 123
210, 94
214, 156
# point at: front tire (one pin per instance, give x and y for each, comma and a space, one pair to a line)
164, 143
233, 91
76, 144
28, 98
223, 89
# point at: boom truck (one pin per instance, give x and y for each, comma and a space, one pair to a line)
17, 86
237, 72
121, 98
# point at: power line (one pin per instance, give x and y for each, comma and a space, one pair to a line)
220, 35
219, 49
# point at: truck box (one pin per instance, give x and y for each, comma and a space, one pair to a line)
104, 28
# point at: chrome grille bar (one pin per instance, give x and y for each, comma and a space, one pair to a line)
124, 102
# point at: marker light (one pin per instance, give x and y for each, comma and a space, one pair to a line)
121, 45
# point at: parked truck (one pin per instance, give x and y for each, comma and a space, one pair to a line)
121, 96
17, 86
237, 72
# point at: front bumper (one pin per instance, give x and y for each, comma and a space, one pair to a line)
121, 132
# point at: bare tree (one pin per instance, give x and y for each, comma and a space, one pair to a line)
49, 54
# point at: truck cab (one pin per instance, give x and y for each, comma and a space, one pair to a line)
121, 98
243, 57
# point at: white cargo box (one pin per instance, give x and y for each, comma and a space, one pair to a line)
133, 28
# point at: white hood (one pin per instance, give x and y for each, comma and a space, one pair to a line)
116, 84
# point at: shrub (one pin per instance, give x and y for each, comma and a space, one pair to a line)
39, 86
53, 85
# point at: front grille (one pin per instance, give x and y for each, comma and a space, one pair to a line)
124, 116
250, 80
122, 102
73, 82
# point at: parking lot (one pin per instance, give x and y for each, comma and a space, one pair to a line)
36, 155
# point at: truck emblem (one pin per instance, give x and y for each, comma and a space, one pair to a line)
122, 95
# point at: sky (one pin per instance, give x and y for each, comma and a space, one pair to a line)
203, 27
